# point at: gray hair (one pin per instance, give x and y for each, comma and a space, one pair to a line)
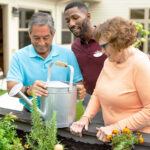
41, 19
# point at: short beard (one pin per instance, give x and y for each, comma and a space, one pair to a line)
84, 28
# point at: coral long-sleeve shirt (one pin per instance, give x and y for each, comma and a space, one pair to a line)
123, 93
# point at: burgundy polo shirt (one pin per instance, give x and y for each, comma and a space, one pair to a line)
90, 66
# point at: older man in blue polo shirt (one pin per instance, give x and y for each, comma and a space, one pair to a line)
30, 64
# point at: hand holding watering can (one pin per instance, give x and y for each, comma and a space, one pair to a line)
41, 90
61, 98
81, 91
39, 87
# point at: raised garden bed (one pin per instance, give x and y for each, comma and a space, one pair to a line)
71, 141
70, 144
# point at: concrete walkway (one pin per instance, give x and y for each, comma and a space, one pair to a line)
9, 102
3, 83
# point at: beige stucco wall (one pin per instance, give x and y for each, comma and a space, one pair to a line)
11, 23
100, 11
110, 8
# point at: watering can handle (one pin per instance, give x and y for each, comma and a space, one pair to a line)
62, 64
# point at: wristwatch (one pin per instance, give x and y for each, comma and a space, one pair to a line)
26, 91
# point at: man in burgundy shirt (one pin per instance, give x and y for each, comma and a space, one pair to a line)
87, 50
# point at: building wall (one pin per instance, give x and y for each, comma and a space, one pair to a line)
107, 9
110, 8
29, 4
100, 11
11, 23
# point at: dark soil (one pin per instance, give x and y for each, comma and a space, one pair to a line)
70, 144
21, 134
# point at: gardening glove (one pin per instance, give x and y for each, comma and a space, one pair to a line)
77, 127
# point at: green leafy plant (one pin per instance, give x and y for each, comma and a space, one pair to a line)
124, 140
142, 34
79, 110
41, 137
8, 135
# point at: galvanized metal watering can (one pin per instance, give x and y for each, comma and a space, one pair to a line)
61, 98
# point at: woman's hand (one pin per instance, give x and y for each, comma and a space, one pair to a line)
39, 87
77, 127
103, 132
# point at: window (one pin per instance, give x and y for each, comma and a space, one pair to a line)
24, 16
142, 16
66, 37
137, 13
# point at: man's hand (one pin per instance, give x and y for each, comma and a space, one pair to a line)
81, 91
39, 87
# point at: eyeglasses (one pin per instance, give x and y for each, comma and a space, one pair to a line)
104, 45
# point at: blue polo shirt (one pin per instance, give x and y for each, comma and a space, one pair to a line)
27, 65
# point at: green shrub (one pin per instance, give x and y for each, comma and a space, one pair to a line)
41, 137
8, 135
142, 34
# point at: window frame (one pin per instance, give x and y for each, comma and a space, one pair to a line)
146, 22
26, 29
65, 30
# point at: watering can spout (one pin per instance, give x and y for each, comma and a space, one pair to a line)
16, 90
